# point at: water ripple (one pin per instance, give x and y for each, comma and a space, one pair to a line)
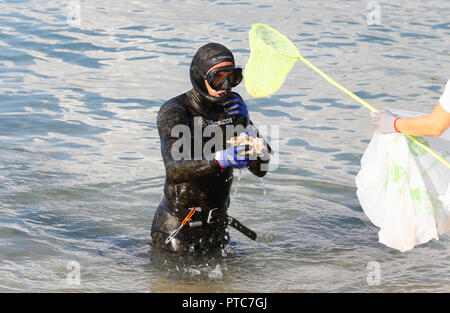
81, 171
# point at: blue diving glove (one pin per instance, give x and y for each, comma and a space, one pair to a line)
232, 157
237, 110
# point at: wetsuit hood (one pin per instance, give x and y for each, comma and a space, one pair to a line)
206, 57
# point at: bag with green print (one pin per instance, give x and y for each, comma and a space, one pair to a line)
403, 190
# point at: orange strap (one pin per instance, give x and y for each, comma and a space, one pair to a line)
188, 217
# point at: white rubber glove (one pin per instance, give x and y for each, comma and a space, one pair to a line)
384, 121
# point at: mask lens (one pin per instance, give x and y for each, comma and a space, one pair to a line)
217, 77
237, 77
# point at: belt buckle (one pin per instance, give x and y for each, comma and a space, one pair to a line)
208, 220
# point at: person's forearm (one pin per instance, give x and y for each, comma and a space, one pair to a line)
433, 124
188, 170
418, 126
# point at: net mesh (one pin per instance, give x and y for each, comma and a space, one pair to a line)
272, 56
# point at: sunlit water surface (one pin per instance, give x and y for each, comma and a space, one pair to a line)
80, 167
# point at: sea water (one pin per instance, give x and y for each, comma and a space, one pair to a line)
81, 172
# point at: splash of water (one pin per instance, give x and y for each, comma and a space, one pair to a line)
216, 273
264, 189
239, 176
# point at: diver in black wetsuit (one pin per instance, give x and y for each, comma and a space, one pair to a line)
203, 183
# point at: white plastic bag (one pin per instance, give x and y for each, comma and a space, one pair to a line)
404, 190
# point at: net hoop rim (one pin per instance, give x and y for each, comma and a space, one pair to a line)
257, 25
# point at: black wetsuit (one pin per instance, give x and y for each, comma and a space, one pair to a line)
200, 183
